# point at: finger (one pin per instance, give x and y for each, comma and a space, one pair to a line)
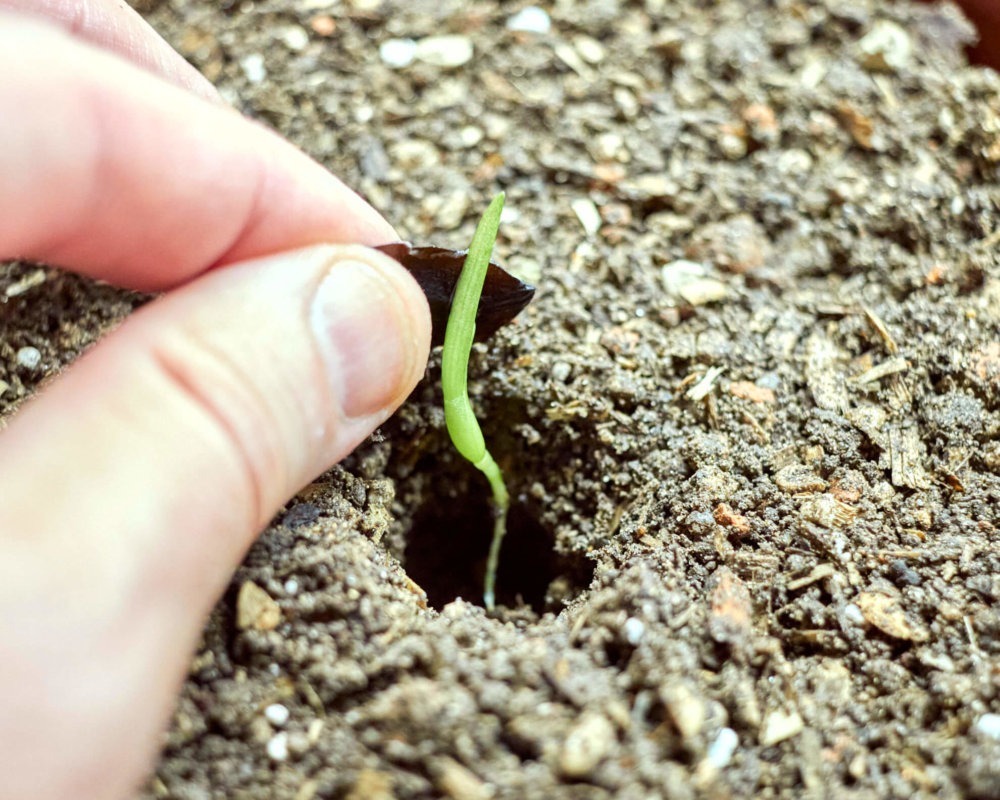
985, 14
134, 485
112, 172
115, 26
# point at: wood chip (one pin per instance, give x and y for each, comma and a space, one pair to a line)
886, 614
725, 516
730, 608
882, 330
891, 366
818, 573
827, 511
824, 373
799, 479
704, 387
906, 453
748, 390
856, 124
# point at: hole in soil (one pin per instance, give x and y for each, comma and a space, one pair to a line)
446, 555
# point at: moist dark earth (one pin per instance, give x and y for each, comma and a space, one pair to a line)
751, 421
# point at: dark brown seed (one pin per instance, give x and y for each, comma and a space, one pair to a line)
437, 269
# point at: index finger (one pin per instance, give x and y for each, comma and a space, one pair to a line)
117, 174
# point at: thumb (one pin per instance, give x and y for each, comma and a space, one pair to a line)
136, 482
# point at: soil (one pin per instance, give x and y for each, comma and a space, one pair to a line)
751, 421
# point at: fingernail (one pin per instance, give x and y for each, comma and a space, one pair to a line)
366, 334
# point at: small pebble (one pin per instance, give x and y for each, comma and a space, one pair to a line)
587, 213
634, 629
720, 751
608, 146
29, 281
398, 53
853, 614
323, 25
527, 269
295, 38
887, 47
253, 67
587, 744
779, 726
291, 586
589, 49
904, 574
626, 102
686, 709
29, 357
470, 135
989, 725
277, 747
277, 715
689, 281
650, 186
561, 372
933, 660
448, 210
414, 154
256, 609
459, 782
449, 50
531, 19
509, 215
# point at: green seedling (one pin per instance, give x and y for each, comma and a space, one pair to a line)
463, 427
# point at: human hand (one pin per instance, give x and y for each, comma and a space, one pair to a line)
134, 484
985, 14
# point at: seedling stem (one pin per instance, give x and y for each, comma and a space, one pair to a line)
463, 427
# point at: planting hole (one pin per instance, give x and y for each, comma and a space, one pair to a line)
446, 555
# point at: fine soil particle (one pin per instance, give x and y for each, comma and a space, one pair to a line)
751, 421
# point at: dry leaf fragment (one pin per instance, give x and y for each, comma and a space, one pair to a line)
725, 516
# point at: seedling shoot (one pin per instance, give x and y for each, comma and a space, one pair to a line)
463, 427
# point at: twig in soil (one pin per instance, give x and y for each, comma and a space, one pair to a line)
463, 427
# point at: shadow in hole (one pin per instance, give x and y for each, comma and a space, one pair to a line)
446, 555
